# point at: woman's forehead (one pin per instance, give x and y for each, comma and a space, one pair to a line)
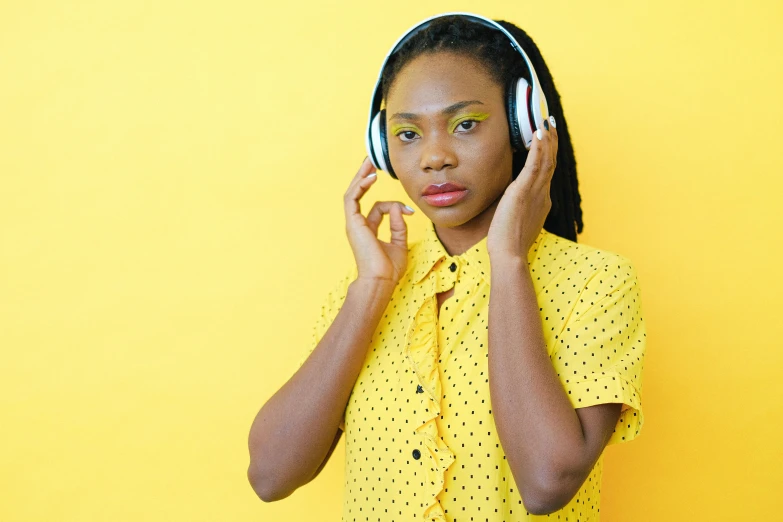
437, 81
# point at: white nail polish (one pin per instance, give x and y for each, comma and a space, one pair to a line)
372, 175
540, 134
552, 121
409, 208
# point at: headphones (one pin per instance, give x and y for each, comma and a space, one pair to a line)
526, 104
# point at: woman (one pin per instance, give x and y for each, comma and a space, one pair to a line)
457, 406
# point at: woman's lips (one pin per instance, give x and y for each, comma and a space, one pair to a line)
444, 199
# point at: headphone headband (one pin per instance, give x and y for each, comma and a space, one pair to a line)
538, 101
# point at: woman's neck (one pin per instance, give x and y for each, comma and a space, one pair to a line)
457, 240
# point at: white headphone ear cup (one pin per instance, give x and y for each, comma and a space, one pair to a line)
385, 145
539, 108
375, 145
524, 117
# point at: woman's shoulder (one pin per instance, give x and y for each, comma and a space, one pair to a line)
558, 251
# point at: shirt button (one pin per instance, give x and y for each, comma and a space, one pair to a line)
416, 454
453, 267
419, 389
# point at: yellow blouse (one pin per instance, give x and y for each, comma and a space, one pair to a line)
421, 442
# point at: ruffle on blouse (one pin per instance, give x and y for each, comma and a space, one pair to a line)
431, 274
421, 353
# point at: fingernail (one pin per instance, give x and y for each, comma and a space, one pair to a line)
372, 175
546, 124
540, 134
552, 119
409, 208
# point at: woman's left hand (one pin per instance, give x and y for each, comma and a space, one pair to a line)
524, 206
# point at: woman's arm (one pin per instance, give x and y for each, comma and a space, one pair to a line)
297, 428
551, 448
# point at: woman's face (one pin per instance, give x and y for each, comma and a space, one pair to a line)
446, 121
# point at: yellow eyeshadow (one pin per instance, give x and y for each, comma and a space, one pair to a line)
398, 127
478, 116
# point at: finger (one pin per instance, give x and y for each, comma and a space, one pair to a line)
397, 226
356, 190
548, 157
365, 169
375, 216
555, 140
532, 164
550, 129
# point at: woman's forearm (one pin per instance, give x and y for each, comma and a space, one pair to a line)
538, 427
295, 429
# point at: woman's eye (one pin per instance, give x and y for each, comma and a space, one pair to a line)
408, 134
460, 124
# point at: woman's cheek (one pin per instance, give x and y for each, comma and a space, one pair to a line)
404, 160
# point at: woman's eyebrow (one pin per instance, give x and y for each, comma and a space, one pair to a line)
451, 109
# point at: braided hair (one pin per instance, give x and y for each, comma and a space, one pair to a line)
459, 35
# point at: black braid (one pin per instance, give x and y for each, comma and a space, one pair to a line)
459, 35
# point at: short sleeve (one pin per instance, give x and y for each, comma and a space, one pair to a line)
330, 306
600, 352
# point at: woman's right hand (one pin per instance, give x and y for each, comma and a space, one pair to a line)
375, 259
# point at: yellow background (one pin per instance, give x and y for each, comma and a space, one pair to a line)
171, 218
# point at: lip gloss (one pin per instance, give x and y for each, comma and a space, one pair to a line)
445, 199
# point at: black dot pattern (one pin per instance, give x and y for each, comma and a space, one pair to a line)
421, 442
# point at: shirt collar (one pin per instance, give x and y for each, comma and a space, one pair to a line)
430, 251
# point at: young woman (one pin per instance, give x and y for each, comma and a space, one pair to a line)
460, 403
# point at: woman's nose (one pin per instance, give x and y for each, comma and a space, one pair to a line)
437, 154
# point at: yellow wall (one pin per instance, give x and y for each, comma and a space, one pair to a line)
171, 217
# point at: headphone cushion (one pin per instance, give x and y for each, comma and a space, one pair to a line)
511, 111
385, 143
376, 142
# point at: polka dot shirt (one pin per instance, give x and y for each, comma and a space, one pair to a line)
421, 441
